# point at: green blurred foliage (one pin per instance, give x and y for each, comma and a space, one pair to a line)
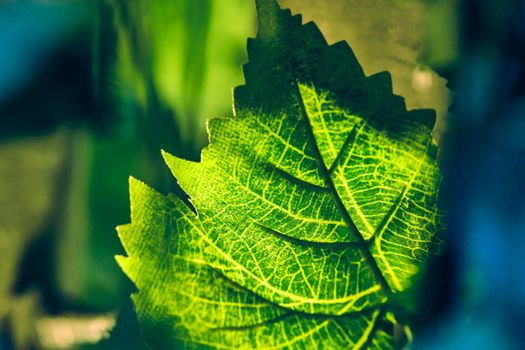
172, 62
157, 68
29, 170
98, 171
188, 51
26, 200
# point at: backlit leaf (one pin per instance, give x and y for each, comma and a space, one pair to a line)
314, 206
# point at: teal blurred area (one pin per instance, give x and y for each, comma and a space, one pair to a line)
483, 160
30, 33
92, 90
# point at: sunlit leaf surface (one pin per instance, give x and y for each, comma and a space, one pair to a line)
316, 204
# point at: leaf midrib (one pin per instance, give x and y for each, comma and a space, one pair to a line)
362, 243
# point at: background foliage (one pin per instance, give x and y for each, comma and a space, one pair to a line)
91, 90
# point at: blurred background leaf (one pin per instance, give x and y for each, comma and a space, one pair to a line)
29, 171
108, 84
188, 53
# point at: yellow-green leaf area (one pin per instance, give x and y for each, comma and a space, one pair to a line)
310, 209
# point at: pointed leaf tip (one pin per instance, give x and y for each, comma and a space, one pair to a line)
267, 13
265, 5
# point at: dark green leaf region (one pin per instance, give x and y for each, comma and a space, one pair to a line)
313, 208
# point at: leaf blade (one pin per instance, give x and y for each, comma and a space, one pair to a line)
287, 200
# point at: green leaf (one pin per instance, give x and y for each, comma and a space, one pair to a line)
316, 205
